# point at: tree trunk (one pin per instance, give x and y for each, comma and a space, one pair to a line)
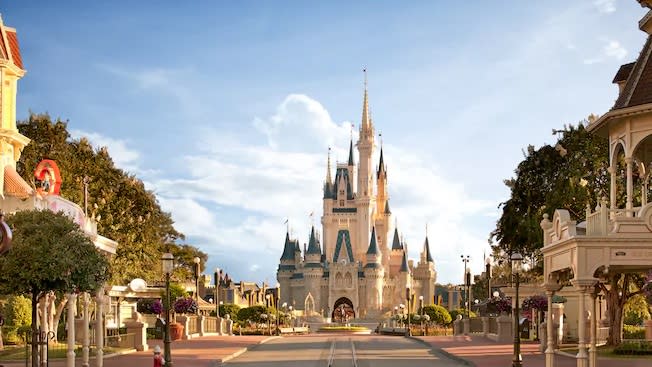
35, 355
55, 315
615, 301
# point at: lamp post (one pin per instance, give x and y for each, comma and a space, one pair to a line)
421, 312
216, 278
278, 298
197, 271
487, 272
516, 260
402, 307
466, 279
408, 332
168, 265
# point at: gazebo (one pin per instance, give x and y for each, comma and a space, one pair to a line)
613, 240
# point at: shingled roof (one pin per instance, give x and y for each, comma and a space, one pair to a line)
638, 87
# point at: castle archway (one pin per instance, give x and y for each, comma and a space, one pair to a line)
343, 310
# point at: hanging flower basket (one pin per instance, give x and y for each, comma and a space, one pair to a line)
185, 305
499, 305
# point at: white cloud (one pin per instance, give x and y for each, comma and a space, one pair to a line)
615, 49
611, 49
256, 186
123, 156
605, 6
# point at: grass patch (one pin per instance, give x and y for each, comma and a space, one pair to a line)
56, 351
343, 328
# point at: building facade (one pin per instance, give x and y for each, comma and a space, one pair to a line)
362, 269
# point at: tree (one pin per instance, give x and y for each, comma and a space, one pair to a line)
230, 309
184, 256
253, 313
50, 253
124, 210
438, 314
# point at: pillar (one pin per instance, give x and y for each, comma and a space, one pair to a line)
85, 330
99, 328
139, 329
70, 354
593, 332
582, 356
612, 191
550, 344
630, 185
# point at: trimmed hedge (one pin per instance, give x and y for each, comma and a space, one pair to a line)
640, 347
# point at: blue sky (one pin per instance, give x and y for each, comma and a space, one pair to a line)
226, 109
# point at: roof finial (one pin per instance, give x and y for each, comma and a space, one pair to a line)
426, 229
312, 219
328, 168
287, 224
364, 70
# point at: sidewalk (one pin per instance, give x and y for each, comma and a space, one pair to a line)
481, 352
207, 351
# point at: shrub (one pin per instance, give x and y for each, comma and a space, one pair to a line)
633, 332
438, 314
231, 309
634, 348
253, 313
460, 311
18, 311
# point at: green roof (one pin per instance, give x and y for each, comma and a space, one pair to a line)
404, 264
343, 238
426, 248
381, 165
396, 244
351, 153
313, 244
373, 246
387, 210
288, 248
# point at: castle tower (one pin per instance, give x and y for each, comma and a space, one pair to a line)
396, 255
383, 212
313, 271
425, 275
286, 268
11, 141
365, 195
374, 274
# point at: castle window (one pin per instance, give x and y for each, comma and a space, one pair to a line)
341, 202
348, 279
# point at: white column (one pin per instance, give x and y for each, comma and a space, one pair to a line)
612, 191
99, 328
630, 185
70, 355
593, 335
582, 356
550, 346
85, 331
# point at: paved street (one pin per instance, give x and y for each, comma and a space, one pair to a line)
308, 351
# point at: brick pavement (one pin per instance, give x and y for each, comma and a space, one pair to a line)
482, 352
198, 352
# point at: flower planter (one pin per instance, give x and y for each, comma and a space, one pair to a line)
176, 331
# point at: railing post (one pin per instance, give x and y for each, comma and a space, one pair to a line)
201, 325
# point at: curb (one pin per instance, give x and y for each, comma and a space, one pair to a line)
442, 352
221, 361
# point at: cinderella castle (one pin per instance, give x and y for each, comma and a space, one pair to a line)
358, 268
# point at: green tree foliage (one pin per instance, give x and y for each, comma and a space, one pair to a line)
176, 291
253, 313
49, 253
184, 256
460, 311
18, 311
567, 177
438, 314
230, 309
636, 310
125, 211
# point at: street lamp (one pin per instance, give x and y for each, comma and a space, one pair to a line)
278, 298
517, 260
421, 312
218, 321
402, 306
467, 284
408, 332
167, 262
197, 269
487, 272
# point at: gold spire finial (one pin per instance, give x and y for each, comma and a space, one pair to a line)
366, 118
365, 77
328, 168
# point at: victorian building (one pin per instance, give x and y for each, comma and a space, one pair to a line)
358, 264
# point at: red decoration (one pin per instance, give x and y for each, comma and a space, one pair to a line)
48, 177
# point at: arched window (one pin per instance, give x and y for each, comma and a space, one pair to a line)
338, 280
348, 279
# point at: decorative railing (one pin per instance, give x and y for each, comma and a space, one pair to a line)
493, 326
210, 324
192, 325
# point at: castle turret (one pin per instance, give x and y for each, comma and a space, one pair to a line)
364, 198
425, 275
374, 274
396, 255
313, 269
286, 268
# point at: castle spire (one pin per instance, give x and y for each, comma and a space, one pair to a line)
404, 264
328, 167
373, 246
366, 119
313, 244
351, 163
426, 250
396, 244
